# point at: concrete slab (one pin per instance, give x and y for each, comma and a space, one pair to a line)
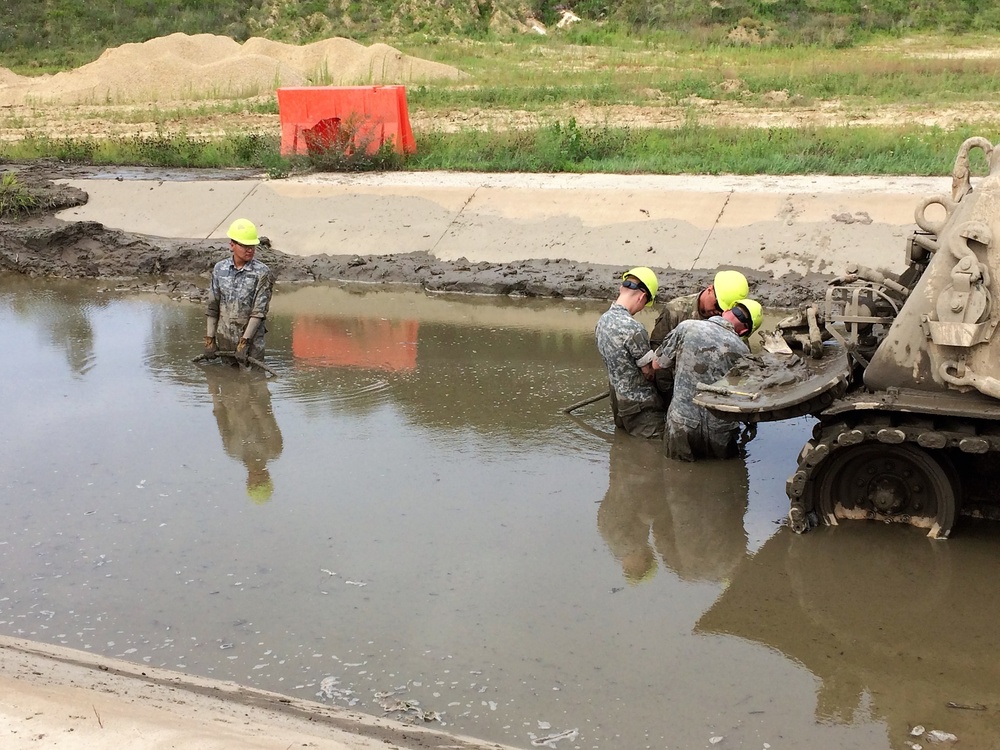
778, 224
160, 208
812, 232
629, 227
310, 219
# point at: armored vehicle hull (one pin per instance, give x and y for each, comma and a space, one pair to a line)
902, 373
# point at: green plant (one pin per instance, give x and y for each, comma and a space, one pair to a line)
352, 145
15, 199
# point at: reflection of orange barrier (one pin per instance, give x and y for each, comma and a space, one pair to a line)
356, 342
315, 117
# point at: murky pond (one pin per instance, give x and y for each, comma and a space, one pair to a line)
403, 514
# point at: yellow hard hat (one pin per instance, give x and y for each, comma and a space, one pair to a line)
756, 312
648, 279
243, 232
730, 286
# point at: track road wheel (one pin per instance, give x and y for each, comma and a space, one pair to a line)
892, 483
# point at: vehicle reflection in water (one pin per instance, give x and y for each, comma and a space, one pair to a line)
241, 403
690, 514
892, 624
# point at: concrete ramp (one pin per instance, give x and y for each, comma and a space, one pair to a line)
778, 225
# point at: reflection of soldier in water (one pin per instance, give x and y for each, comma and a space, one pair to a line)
242, 407
691, 515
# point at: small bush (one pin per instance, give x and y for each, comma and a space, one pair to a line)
15, 199
350, 146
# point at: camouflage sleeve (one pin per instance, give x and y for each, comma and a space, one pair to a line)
212, 308
262, 296
666, 355
637, 346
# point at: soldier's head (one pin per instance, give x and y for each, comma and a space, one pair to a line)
243, 241
639, 286
726, 288
746, 315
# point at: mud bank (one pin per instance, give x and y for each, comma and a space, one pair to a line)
42, 245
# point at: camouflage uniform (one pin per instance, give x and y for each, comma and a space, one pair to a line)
699, 351
676, 310
624, 347
234, 296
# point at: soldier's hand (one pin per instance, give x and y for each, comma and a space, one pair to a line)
210, 346
242, 351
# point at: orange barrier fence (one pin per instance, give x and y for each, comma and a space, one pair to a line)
349, 118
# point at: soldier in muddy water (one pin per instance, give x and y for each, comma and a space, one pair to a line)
624, 346
702, 352
727, 286
239, 297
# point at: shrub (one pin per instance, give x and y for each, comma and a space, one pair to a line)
15, 199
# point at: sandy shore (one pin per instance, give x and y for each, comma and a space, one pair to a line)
52, 697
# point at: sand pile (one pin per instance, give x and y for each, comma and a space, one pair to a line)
181, 68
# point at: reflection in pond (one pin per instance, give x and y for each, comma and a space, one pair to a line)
241, 403
368, 343
690, 514
892, 624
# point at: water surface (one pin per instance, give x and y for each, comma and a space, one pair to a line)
405, 510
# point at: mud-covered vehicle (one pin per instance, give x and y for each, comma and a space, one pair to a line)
902, 372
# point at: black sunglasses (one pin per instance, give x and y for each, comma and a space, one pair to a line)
630, 284
743, 316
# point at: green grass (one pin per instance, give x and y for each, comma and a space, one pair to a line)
691, 149
560, 147
15, 199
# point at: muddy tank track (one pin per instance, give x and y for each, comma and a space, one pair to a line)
922, 470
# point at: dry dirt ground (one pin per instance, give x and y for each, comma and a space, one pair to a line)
189, 83
145, 119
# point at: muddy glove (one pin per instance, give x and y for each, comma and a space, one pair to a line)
210, 346
242, 349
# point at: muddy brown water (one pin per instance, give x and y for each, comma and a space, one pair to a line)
440, 532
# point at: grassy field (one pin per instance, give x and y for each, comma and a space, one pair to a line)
590, 102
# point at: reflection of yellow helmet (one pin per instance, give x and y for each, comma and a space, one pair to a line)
243, 232
648, 278
260, 491
756, 312
639, 566
730, 286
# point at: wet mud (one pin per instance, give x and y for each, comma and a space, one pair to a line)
40, 244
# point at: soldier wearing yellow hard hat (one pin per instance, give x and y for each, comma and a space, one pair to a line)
624, 346
239, 295
726, 288
703, 351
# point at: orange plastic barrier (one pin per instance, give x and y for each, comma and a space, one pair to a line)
316, 118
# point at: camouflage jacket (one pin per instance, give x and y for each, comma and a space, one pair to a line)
676, 310
699, 351
624, 346
237, 294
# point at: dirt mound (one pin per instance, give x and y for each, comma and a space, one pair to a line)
205, 66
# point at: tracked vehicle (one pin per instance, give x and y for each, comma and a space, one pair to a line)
902, 373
